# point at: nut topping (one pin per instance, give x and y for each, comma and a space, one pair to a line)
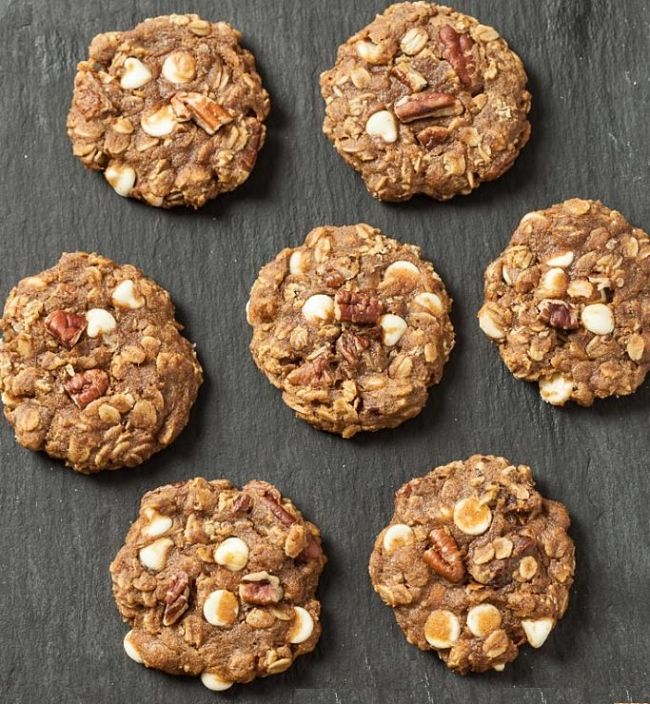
357, 307
87, 386
427, 104
411, 78
207, 113
260, 589
444, 557
558, 314
431, 137
176, 599
458, 52
67, 328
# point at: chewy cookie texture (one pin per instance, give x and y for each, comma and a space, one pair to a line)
171, 111
93, 368
475, 563
219, 582
353, 327
426, 100
568, 302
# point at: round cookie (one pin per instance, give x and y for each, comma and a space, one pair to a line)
568, 302
171, 111
353, 327
219, 582
475, 563
426, 100
93, 368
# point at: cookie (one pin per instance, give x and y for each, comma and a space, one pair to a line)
93, 368
219, 582
568, 303
475, 563
426, 100
353, 327
172, 111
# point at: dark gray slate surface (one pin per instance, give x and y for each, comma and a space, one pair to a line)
60, 635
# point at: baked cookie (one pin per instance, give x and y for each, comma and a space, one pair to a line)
426, 100
568, 303
219, 582
475, 563
93, 368
171, 111
353, 327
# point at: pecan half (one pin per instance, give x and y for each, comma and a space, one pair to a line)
260, 589
356, 307
351, 346
431, 137
317, 372
558, 314
176, 599
444, 556
207, 113
427, 104
87, 386
458, 52
65, 327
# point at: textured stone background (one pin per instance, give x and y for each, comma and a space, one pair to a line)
60, 635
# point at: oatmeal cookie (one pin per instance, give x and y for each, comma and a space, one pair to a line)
353, 327
219, 582
568, 303
93, 368
475, 562
426, 100
171, 111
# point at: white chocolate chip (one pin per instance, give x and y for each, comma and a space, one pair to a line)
556, 389
483, 619
135, 75
154, 555
398, 536
414, 41
382, 124
562, 259
100, 322
369, 51
554, 283
157, 525
212, 681
159, 123
488, 323
179, 67
121, 177
303, 626
130, 649
126, 296
598, 318
499, 667
232, 554
401, 268
297, 263
221, 608
471, 516
392, 329
318, 308
441, 629
537, 630
430, 302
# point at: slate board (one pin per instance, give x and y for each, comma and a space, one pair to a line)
60, 635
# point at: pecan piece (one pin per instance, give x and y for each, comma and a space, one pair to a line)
87, 386
65, 327
207, 113
351, 347
430, 137
260, 589
242, 504
458, 52
356, 307
176, 599
558, 314
428, 104
444, 556
317, 372
411, 78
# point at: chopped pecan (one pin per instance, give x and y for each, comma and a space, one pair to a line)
242, 503
356, 307
207, 113
430, 137
444, 556
411, 78
260, 589
558, 314
87, 386
176, 599
351, 346
458, 52
317, 372
428, 104
65, 327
